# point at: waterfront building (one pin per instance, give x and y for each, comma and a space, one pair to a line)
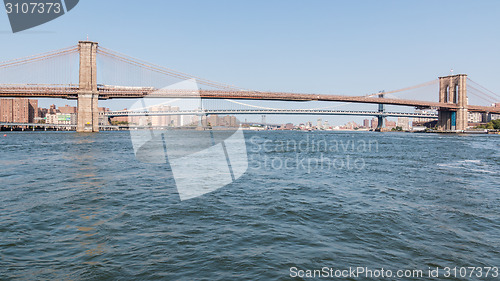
420, 121
52, 109
18, 110
492, 116
61, 119
319, 124
6, 110
476, 117
32, 111
68, 109
50, 119
42, 112
404, 123
366, 123
390, 124
228, 121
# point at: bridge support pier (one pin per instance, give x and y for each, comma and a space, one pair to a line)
88, 96
380, 118
380, 123
453, 89
88, 115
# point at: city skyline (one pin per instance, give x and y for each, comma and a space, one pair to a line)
23, 110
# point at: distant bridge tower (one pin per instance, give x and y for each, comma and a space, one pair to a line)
453, 89
381, 109
88, 96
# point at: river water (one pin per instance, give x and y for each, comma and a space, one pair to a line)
82, 207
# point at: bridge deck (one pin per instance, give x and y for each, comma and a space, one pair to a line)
116, 92
273, 111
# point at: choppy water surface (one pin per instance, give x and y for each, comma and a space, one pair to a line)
80, 206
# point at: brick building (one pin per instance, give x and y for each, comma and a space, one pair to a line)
18, 110
366, 123
68, 109
6, 108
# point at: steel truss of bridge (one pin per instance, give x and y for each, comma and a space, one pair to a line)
269, 111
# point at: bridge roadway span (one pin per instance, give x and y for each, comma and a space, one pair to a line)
115, 92
269, 111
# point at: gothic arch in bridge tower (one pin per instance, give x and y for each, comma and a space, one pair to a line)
453, 90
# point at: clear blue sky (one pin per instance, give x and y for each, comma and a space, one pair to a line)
339, 47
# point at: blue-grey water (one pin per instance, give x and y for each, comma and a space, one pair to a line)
81, 207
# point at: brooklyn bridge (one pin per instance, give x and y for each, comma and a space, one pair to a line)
452, 104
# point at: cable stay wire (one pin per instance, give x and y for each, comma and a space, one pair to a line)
163, 70
480, 97
38, 57
404, 89
157, 70
40, 54
474, 92
481, 86
481, 92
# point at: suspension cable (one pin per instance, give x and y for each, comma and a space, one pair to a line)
38, 57
481, 92
405, 89
163, 70
481, 95
497, 96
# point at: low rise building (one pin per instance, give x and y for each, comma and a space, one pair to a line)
475, 117
404, 123
61, 119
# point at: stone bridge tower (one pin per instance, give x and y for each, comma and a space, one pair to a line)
88, 96
453, 89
